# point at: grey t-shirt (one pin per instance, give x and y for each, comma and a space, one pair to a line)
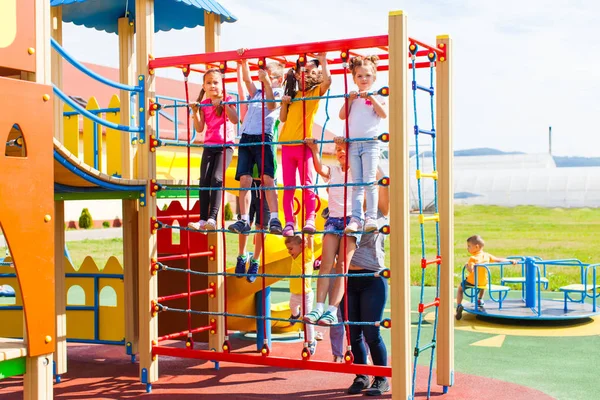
370, 253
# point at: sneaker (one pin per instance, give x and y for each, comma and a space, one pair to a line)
210, 225
480, 303
361, 382
338, 359
354, 226
309, 227
371, 225
313, 316
379, 387
328, 318
318, 335
275, 226
240, 226
459, 311
312, 347
197, 226
289, 229
252, 270
240, 266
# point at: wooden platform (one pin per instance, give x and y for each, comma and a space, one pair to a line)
11, 349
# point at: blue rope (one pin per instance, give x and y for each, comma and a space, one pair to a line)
261, 188
322, 141
261, 318
431, 133
164, 267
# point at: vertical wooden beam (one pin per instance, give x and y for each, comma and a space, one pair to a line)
400, 207
127, 77
130, 272
37, 381
146, 161
60, 355
216, 304
445, 159
212, 32
57, 71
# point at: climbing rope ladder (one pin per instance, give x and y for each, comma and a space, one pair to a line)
423, 219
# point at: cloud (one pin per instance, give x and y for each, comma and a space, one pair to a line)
519, 66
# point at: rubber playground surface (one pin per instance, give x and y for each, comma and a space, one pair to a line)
493, 360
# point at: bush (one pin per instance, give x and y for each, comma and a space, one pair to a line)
85, 219
228, 212
106, 224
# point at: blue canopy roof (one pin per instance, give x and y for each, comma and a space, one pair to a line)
103, 15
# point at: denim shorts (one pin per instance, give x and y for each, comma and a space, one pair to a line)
336, 225
249, 156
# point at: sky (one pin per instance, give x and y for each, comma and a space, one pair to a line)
519, 66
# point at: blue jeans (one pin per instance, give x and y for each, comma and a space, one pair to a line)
366, 302
363, 159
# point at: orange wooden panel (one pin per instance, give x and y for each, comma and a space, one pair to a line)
26, 198
17, 32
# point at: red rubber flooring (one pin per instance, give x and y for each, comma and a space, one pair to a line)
104, 372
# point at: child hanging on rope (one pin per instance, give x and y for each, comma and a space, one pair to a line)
298, 117
334, 243
365, 112
294, 246
217, 118
475, 246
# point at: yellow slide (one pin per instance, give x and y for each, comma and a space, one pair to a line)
171, 165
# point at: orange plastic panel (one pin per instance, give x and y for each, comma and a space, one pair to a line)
17, 34
27, 205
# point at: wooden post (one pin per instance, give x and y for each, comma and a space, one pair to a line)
37, 381
216, 304
146, 161
400, 208
60, 355
445, 159
130, 272
57, 72
126, 77
212, 32
130, 207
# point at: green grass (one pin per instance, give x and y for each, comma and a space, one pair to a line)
548, 233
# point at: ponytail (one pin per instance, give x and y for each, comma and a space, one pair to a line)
291, 83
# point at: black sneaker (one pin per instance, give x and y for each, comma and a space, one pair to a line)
379, 387
240, 226
240, 266
275, 226
459, 310
361, 382
252, 270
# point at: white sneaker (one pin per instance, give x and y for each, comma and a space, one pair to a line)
354, 226
210, 225
197, 226
371, 225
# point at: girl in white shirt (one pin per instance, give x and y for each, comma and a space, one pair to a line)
365, 112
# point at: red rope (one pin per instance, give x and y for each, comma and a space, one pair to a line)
303, 179
223, 207
188, 257
346, 265
261, 216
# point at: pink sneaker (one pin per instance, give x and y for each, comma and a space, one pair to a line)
309, 227
288, 230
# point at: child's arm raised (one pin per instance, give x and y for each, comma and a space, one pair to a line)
319, 167
264, 78
283, 111
322, 57
246, 74
198, 117
351, 97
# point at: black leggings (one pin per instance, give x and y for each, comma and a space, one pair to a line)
211, 175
